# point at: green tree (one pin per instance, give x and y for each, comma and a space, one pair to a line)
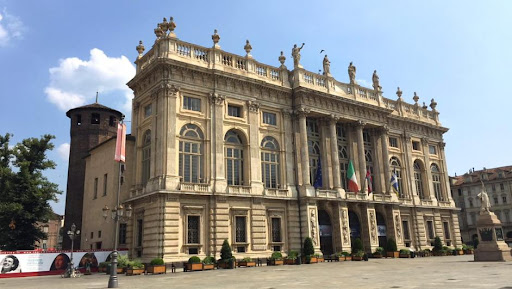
309, 250
357, 245
225, 251
391, 245
438, 244
24, 191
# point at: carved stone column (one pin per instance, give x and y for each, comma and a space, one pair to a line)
446, 180
385, 158
360, 155
304, 151
217, 138
289, 176
334, 152
168, 116
429, 190
407, 172
254, 149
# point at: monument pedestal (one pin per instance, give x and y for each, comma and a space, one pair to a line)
491, 247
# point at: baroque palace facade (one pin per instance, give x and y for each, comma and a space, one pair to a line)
230, 148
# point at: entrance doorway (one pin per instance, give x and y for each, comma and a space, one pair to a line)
324, 222
355, 226
381, 230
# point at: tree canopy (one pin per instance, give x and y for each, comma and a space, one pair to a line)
24, 191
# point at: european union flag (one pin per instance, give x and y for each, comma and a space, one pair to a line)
318, 178
394, 183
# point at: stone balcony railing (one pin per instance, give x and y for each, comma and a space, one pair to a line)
354, 196
239, 190
170, 47
194, 187
382, 197
277, 193
332, 194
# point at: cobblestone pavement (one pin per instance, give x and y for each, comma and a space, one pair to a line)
431, 272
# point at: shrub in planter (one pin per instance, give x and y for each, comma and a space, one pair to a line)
309, 251
405, 253
247, 262
391, 249
379, 252
208, 263
347, 255
226, 256
102, 267
290, 259
357, 245
194, 264
358, 255
438, 246
157, 266
122, 263
276, 259
319, 257
134, 267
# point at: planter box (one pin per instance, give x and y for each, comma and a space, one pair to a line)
460, 252
468, 252
392, 254
357, 258
131, 271
102, 270
247, 264
290, 262
224, 265
348, 258
377, 255
311, 261
321, 259
404, 256
275, 262
157, 269
194, 266
208, 266
120, 270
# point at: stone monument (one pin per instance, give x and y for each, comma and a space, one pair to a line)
492, 246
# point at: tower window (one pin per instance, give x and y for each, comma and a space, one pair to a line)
78, 119
112, 120
95, 118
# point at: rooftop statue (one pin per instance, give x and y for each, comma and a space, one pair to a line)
484, 198
296, 55
327, 66
375, 80
352, 73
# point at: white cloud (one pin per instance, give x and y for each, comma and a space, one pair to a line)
75, 81
63, 151
11, 27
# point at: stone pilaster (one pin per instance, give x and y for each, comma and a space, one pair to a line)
302, 112
345, 228
407, 168
293, 226
360, 155
217, 140
377, 150
254, 149
429, 190
289, 179
371, 224
171, 240
258, 220
445, 177
385, 159
221, 224
169, 150
334, 153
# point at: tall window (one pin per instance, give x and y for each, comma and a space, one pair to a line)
343, 146
276, 229
270, 162
95, 118
234, 159
122, 233
95, 188
234, 110
397, 170
436, 181
146, 156
240, 229
191, 154
191, 103
405, 228
430, 229
105, 179
418, 179
313, 148
368, 154
193, 230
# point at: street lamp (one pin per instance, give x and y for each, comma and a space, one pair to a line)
73, 233
118, 213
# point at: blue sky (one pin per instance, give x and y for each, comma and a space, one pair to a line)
56, 54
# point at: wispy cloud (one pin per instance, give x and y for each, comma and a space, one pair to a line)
364, 83
75, 81
11, 27
63, 151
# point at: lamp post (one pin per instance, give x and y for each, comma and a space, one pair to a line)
72, 233
118, 213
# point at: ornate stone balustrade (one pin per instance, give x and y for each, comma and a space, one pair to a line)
426, 202
405, 201
332, 194
239, 190
382, 197
277, 193
190, 187
444, 204
354, 196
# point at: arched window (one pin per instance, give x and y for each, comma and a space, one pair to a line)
146, 156
234, 159
397, 171
343, 146
436, 181
270, 162
313, 148
418, 179
191, 154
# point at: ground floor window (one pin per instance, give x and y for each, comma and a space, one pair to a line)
193, 230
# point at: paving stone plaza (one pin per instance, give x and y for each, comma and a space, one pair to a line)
432, 272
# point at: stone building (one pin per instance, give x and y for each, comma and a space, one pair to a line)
230, 148
498, 185
52, 228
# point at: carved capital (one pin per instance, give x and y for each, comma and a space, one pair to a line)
407, 137
442, 144
424, 141
253, 106
384, 129
360, 124
333, 119
135, 105
287, 112
302, 111
171, 90
217, 99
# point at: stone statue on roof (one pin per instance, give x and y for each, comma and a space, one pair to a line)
484, 200
352, 73
375, 80
296, 55
327, 66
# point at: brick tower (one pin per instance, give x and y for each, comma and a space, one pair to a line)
90, 125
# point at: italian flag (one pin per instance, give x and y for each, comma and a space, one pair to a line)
352, 180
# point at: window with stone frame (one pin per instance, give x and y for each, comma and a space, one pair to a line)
105, 182
148, 110
270, 171
368, 154
504, 199
430, 230
191, 103
234, 158
405, 227
240, 229
393, 142
276, 230
234, 110
95, 196
418, 179
122, 233
447, 235
269, 118
397, 170
432, 149
416, 145
313, 148
470, 200
95, 118
495, 200
191, 160
436, 182
502, 187
507, 215
146, 156
341, 134
193, 229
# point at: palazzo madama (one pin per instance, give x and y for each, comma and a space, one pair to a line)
230, 148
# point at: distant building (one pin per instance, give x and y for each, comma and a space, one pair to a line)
498, 184
53, 230
226, 147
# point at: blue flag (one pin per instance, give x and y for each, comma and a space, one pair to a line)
394, 183
318, 178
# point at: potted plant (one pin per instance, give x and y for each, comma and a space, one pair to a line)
226, 257
208, 263
193, 264
122, 263
276, 259
379, 252
320, 258
405, 253
438, 247
102, 267
358, 255
468, 249
246, 262
291, 258
134, 267
347, 256
309, 252
427, 253
391, 249
157, 266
